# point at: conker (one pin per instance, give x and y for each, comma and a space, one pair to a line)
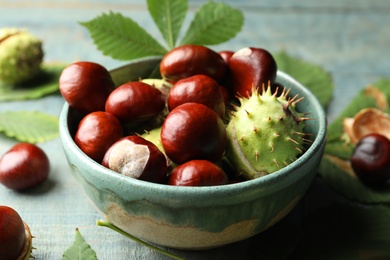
370, 159
197, 173
200, 89
15, 235
24, 166
135, 102
137, 158
86, 86
96, 132
188, 60
226, 55
250, 67
193, 131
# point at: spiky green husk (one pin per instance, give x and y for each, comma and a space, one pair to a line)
21, 56
265, 133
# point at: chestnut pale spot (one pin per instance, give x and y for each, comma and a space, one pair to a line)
129, 158
243, 52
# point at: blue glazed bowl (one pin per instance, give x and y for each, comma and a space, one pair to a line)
195, 217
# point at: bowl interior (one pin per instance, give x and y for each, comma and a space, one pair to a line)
195, 217
266, 185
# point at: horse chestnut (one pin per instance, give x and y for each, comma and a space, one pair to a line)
197, 173
15, 235
200, 89
96, 132
138, 158
24, 166
370, 159
250, 67
193, 131
226, 55
188, 60
86, 86
135, 101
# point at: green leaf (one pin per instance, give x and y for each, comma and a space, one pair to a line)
310, 75
168, 15
367, 97
338, 174
29, 126
335, 168
213, 23
44, 84
79, 249
122, 38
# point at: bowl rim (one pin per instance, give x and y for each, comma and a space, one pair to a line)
163, 191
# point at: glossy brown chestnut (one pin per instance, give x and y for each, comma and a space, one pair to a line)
188, 60
197, 173
24, 166
193, 131
15, 236
135, 157
86, 86
250, 67
199, 89
135, 101
370, 159
225, 94
96, 132
226, 55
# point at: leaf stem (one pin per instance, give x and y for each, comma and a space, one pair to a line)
107, 224
171, 42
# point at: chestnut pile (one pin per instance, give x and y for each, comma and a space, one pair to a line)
173, 130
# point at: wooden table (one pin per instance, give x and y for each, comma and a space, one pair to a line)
349, 38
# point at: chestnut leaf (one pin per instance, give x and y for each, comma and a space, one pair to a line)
213, 23
29, 126
79, 249
45, 83
312, 76
335, 168
121, 37
168, 16
339, 174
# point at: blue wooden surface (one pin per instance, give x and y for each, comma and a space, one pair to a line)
349, 38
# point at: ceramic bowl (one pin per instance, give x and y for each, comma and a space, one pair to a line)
195, 217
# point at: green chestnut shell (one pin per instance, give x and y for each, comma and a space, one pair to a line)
21, 56
265, 133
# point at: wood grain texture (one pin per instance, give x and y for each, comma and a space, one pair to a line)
349, 38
